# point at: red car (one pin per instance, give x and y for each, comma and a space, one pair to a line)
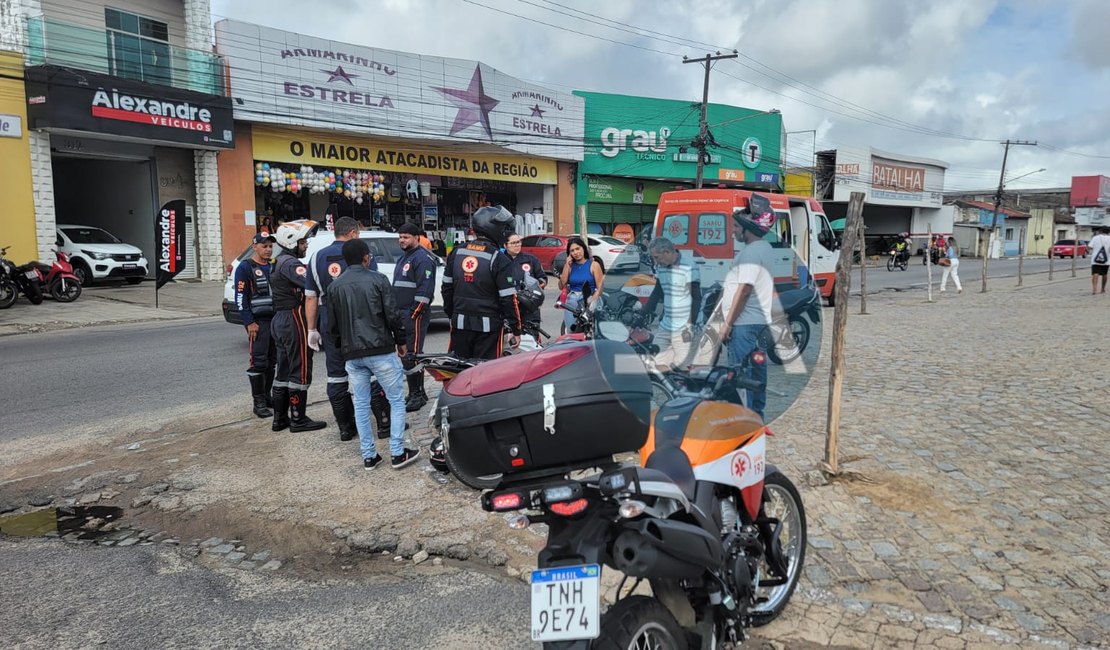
545, 248
1067, 248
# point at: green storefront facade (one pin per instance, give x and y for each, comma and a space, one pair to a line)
636, 148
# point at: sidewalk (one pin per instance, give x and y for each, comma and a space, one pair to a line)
105, 304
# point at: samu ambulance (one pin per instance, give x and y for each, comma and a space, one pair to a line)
700, 222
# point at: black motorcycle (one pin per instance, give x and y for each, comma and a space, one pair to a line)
786, 338
25, 278
898, 258
9, 291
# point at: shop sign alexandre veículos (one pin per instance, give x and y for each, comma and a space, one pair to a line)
309, 149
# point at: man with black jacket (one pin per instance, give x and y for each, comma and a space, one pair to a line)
479, 293
366, 328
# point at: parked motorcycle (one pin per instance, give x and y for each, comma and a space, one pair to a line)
9, 292
716, 531
58, 279
787, 337
28, 279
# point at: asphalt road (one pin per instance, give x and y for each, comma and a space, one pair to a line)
916, 276
60, 596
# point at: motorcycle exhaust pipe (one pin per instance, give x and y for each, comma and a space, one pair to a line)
666, 549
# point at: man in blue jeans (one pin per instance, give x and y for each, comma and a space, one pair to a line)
366, 328
748, 298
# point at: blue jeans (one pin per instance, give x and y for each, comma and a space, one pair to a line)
387, 368
744, 341
574, 299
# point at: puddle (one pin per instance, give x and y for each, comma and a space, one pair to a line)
61, 521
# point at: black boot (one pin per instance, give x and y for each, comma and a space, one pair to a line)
344, 410
281, 409
258, 392
379, 407
298, 421
269, 377
417, 399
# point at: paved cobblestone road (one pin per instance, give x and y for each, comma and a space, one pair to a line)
983, 421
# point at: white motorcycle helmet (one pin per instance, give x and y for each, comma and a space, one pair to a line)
288, 234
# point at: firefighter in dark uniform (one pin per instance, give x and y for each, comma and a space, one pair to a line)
324, 267
414, 278
293, 374
256, 309
479, 293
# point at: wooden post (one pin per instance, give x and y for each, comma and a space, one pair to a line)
929, 262
1021, 255
1074, 252
852, 228
581, 220
862, 270
1050, 263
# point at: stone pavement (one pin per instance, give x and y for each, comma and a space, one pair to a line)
106, 304
982, 421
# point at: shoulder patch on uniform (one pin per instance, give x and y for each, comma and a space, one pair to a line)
300, 270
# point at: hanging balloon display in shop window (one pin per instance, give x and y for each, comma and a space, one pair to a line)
353, 184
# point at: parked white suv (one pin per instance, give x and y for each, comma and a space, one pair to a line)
384, 247
97, 254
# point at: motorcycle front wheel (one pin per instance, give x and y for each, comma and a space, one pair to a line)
890, 263
8, 294
790, 343
639, 623
65, 290
781, 501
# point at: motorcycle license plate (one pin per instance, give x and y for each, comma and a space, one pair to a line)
31, 274
565, 603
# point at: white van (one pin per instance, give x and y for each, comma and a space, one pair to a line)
383, 246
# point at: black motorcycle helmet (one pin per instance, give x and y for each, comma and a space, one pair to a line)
529, 299
494, 223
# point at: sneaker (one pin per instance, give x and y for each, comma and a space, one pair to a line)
371, 463
405, 459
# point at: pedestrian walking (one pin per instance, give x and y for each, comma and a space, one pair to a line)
479, 294
256, 309
678, 288
293, 371
414, 278
1100, 257
952, 267
366, 327
324, 267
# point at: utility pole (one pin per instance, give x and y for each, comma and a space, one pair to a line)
998, 204
703, 130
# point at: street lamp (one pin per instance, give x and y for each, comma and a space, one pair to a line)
1024, 175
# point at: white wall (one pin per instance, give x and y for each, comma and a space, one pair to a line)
864, 180
939, 219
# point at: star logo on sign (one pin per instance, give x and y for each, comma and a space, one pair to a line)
340, 73
537, 111
473, 103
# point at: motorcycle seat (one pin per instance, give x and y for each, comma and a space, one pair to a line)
673, 463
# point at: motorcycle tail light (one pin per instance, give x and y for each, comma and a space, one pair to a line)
440, 375
569, 508
504, 501
759, 358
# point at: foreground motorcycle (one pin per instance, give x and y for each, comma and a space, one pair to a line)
715, 530
898, 258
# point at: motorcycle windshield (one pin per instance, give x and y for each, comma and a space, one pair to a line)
745, 330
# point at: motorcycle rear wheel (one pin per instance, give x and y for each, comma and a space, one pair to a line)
473, 482
8, 294
71, 292
782, 501
639, 623
792, 348
33, 292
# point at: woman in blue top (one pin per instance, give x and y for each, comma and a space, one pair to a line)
953, 267
581, 278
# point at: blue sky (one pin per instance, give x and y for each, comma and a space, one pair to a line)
979, 69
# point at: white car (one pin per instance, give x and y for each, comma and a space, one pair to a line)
97, 254
614, 254
383, 247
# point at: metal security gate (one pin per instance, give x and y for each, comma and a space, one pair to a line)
190, 270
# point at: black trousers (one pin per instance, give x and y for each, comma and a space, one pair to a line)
337, 368
476, 345
416, 330
294, 358
263, 353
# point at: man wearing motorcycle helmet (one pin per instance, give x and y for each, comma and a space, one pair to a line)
530, 280
479, 293
290, 329
749, 296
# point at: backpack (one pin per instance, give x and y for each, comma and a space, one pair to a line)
1100, 257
